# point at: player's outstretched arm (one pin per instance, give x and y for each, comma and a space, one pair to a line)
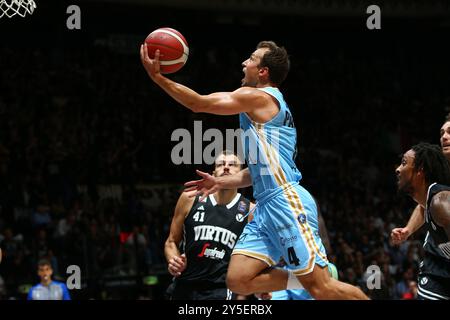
177, 262
417, 219
210, 184
244, 99
440, 210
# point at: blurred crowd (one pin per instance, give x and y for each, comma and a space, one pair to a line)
75, 120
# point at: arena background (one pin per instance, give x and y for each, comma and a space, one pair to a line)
85, 137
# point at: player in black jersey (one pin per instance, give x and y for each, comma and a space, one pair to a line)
424, 174
417, 219
207, 231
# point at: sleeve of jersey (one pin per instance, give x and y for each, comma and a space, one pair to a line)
66, 295
30, 294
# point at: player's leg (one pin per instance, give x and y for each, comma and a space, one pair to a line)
303, 294
285, 226
252, 261
302, 247
323, 287
247, 275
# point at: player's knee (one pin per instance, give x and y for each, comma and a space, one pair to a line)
318, 291
323, 289
318, 286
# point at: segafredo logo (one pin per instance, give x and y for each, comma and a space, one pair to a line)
211, 253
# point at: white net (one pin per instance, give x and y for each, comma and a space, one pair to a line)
10, 8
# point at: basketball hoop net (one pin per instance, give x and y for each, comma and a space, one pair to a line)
10, 8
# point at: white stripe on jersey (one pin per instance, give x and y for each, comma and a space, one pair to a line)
437, 296
426, 239
229, 294
445, 248
425, 296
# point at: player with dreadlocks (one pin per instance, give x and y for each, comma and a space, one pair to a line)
424, 174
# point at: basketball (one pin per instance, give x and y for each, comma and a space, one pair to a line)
172, 46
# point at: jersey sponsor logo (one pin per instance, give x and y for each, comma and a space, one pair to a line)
239, 217
284, 240
211, 253
213, 233
301, 218
201, 208
445, 248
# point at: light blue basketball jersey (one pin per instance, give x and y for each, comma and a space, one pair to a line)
270, 148
285, 219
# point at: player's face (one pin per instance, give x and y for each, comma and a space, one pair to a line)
252, 69
406, 172
45, 272
226, 165
445, 139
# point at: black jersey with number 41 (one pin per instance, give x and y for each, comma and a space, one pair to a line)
437, 243
210, 233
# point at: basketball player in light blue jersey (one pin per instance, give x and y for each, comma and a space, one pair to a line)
285, 219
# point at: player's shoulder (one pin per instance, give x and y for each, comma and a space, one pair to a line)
441, 197
185, 203
186, 199
440, 207
58, 283
249, 93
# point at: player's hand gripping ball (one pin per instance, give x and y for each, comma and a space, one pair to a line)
173, 49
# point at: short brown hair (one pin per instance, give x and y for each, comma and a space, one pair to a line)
276, 60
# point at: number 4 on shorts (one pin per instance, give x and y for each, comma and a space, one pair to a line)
292, 256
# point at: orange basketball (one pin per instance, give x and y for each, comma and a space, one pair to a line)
172, 46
